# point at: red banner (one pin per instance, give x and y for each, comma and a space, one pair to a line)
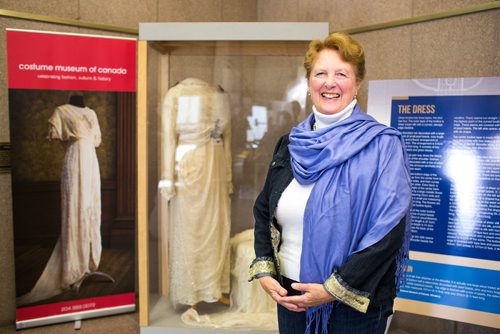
71, 88
74, 306
40, 60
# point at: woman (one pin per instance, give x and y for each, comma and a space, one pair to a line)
333, 213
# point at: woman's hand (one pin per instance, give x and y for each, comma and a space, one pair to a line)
278, 293
313, 295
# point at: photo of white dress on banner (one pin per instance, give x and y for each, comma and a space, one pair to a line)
195, 187
78, 250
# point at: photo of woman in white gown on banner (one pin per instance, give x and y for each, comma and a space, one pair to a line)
78, 250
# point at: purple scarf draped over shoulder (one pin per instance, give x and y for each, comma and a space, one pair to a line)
362, 191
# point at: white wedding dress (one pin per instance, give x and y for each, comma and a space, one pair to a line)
195, 186
78, 250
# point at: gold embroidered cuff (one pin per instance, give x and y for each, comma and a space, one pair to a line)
275, 237
356, 299
260, 267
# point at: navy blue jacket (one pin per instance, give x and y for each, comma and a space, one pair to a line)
369, 274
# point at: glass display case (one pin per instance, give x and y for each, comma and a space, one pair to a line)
213, 99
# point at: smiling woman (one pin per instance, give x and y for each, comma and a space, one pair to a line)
330, 241
335, 69
332, 84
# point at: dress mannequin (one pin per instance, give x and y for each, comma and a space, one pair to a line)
77, 101
77, 253
195, 186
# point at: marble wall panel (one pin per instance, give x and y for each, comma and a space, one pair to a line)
378, 12
190, 11
7, 278
345, 14
388, 56
341, 14
119, 13
462, 46
278, 11
426, 7
55, 8
239, 11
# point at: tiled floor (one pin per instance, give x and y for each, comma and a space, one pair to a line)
118, 324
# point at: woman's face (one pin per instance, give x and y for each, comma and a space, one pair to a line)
332, 83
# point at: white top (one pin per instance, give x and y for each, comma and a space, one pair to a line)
290, 215
292, 205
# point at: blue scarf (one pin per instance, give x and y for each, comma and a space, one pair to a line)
362, 191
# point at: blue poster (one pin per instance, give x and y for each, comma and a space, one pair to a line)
451, 128
458, 286
453, 144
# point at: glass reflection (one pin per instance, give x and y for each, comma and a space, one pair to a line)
257, 122
462, 168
